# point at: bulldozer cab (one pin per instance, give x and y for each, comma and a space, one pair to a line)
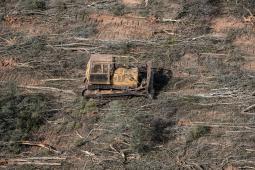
99, 69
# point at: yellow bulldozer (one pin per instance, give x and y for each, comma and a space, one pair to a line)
115, 76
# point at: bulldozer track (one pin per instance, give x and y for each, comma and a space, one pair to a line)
107, 87
116, 96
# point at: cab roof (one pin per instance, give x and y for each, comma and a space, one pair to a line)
105, 58
110, 58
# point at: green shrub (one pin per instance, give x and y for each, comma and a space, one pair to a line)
140, 137
34, 4
192, 99
143, 132
171, 41
20, 115
86, 31
33, 46
80, 142
30, 113
70, 125
83, 106
61, 5
197, 132
119, 10
90, 106
144, 12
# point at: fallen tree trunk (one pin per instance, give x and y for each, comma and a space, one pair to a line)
42, 145
33, 161
249, 108
52, 89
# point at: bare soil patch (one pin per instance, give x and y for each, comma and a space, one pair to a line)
187, 65
249, 64
224, 24
7, 63
127, 27
122, 28
19, 78
246, 44
30, 25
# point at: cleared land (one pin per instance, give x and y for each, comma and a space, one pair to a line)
202, 118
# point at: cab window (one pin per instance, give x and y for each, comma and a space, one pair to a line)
97, 68
105, 68
100, 68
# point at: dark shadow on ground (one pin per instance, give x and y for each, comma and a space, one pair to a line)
161, 79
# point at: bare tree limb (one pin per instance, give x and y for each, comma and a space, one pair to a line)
42, 145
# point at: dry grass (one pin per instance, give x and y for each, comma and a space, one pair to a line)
196, 121
31, 25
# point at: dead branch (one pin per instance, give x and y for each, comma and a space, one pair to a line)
146, 2
58, 79
246, 167
7, 41
13, 162
24, 65
101, 2
92, 130
215, 54
78, 134
249, 11
73, 49
250, 150
42, 145
218, 144
249, 108
71, 45
240, 131
169, 33
216, 104
113, 152
218, 125
57, 121
169, 20
119, 152
114, 41
248, 113
88, 153
46, 158
33, 161
52, 89
243, 161
148, 105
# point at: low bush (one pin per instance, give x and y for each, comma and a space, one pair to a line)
119, 10
34, 4
61, 6
85, 31
197, 132
83, 106
148, 131
20, 115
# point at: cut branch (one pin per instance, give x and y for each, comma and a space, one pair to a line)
249, 108
52, 89
42, 145
33, 161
